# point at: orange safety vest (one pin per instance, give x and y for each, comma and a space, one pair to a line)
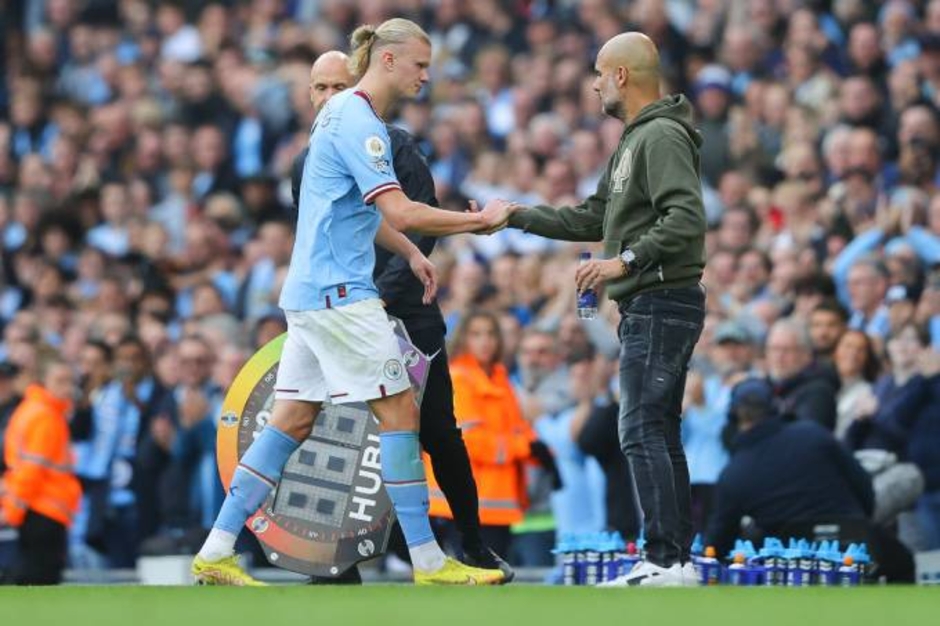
39, 460
497, 438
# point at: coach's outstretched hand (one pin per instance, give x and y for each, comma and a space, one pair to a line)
426, 273
496, 215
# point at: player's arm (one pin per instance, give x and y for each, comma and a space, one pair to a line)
362, 145
406, 215
396, 243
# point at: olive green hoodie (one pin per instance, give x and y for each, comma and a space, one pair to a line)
649, 200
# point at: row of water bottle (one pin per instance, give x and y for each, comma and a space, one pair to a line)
593, 558
797, 564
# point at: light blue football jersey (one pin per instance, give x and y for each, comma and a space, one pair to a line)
348, 167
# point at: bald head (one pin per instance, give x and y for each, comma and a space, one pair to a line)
627, 71
329, 75
635, 51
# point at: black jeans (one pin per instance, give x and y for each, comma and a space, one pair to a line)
658, 331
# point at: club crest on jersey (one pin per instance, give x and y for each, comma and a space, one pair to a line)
392, 369
622, 172
375, 147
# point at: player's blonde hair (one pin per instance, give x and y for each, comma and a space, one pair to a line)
366, 39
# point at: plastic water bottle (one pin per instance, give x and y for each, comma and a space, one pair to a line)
566, 550
799, 563
774, 563
587, 299
792, 556
630, 558
828, 559
736, 574
848, 573
610, 557
745, 568
619, 566
860, 562
580, 560
592, 562
710, 567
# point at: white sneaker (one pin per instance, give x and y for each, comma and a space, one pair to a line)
646, 574
690, 577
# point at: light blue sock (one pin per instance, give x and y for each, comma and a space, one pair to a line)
256, 475
403, 474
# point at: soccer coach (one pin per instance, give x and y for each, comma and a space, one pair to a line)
648, 212
402, 294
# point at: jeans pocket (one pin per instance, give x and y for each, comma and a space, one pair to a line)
634, 325
677, 339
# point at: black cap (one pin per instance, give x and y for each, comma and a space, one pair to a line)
753, 392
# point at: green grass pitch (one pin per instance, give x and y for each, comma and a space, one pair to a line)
517, 605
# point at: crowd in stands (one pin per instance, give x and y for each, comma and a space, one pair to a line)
146, 228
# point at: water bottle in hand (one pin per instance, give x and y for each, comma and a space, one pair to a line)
587, 299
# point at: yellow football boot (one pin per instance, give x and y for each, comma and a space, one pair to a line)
225, 572
456, 573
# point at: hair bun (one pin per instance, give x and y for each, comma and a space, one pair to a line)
364, 35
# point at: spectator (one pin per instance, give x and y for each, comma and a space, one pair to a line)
802, 389
827, 323
541, 376
901, 395
9, 399
190, 490
857, 366
96, 429
133, 513
579, 506
702, 427
867, 285
713, 98
922, 449
901, 301
40, 494
498, 439
256, 296
882, 434
782, 473
598, 437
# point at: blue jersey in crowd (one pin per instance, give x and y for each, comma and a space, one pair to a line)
349, 165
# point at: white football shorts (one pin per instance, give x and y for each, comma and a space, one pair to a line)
343, 354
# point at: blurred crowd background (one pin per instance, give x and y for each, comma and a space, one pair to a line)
146, 225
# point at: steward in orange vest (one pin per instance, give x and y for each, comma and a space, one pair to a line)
40, 494
498, 440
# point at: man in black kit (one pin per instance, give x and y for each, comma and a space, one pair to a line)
402, 292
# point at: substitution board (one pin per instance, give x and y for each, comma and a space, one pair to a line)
330, 509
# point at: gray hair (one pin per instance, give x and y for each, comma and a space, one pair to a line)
796, 328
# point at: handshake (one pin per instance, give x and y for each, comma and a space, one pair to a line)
495, 215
